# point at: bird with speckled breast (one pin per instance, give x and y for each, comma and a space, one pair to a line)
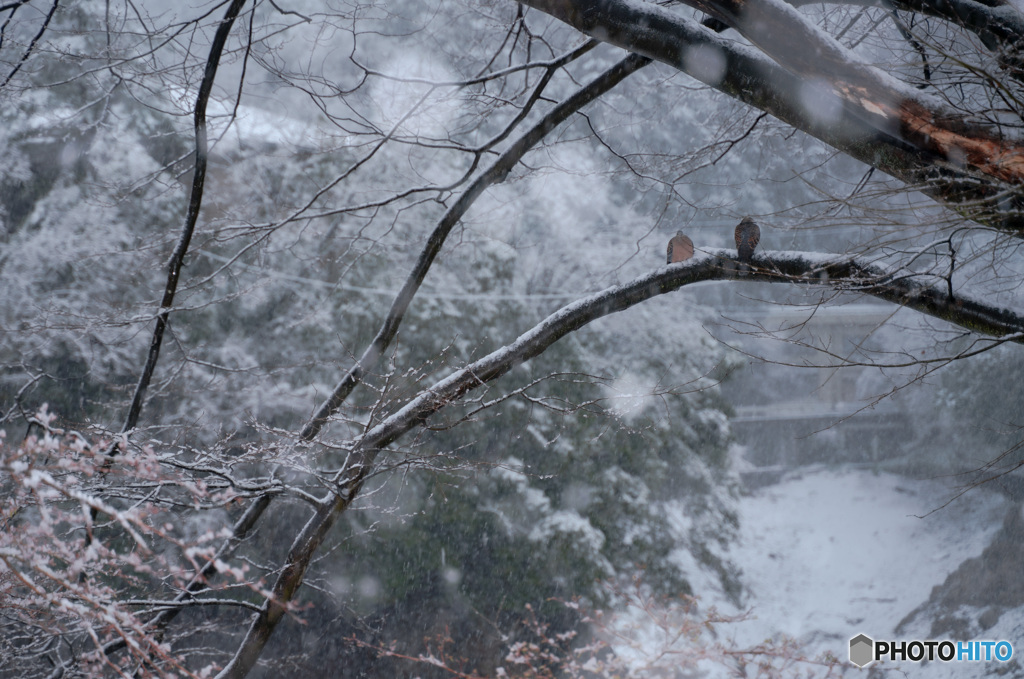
748, 235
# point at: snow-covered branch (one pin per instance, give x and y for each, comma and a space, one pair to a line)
840, 272
814, 84
997, 24
64, 575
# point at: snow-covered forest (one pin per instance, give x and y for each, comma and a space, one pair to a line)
337, 339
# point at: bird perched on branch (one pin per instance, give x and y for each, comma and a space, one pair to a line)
680, 248
748, 235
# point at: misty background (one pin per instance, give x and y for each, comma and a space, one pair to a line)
706, 443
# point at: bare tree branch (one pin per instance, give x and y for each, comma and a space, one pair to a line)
495, 174
840, 272
31, 46
194, 204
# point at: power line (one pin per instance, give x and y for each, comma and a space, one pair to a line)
389, 293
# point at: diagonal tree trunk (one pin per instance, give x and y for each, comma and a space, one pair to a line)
840, 272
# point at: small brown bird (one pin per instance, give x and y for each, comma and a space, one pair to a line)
748, 235
680, 248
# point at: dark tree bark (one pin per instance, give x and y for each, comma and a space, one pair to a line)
876, 119
195, 202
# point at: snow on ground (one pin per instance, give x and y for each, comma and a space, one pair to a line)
829, 554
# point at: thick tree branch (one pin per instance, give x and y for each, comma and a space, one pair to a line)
885, 103
870, 116
839, 272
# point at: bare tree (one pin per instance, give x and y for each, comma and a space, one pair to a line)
382, 177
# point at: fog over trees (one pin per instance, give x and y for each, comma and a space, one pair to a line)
338, 337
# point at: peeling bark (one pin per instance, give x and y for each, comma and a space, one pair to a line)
874, 118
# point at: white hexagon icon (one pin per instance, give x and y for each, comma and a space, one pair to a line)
862, 650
